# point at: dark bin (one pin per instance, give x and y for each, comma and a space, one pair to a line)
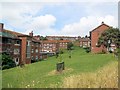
60, 66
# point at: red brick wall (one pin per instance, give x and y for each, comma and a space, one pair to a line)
95, 34
23, 50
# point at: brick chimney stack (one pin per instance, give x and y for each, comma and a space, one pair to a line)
31, 34
1, 27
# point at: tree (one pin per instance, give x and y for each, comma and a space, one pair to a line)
7, 61
69, 46
43, 38
112, 35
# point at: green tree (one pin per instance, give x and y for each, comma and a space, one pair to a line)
112, 35
43, 38
7, 61
69, 46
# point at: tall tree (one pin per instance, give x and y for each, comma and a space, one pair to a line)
112, 35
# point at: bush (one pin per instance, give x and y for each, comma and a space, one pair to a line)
61, 52
87, 49
7, 61
110, 51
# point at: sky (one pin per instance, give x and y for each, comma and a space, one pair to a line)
69, 18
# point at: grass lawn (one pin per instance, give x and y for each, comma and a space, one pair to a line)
43, 74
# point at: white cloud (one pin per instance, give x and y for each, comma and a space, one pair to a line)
17, 14
86, 24
41, 24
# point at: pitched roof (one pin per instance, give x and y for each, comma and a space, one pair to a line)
55, 41
100, 26
49, 41
15, 34
64, 41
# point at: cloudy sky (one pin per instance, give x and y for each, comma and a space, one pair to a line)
71, 18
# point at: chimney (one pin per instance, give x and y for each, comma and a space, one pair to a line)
102, 22
1, 27
31, 34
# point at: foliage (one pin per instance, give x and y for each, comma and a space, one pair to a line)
43, 38
61, 51
7, 62
87, 49
112, 35
69, 46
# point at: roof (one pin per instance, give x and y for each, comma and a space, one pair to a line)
6, 33
54, 41
35, 40
100, 26
13, 32
49, 41
64, 41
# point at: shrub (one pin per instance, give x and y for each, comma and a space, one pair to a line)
61, 52
87, 49
7, 61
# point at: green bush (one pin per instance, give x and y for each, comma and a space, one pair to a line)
7, 61
87, 49
61, 52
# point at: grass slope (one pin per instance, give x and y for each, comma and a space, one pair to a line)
43, 74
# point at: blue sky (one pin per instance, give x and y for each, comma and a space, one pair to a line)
62, 18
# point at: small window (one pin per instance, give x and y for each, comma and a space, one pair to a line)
17, 42
36, 50
36, 57
32, 51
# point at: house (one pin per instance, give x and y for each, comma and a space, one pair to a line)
84, 42
49, 45
94, 36
63, 44
53, 45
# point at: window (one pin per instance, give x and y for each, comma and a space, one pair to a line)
36, 50
36, 44
32, 58
16, 51
36, 57
17, 42
32, 51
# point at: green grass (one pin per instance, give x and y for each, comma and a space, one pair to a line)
42, 74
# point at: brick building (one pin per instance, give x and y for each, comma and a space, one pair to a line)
63, 44
84, 42
10, 44
49, 45
54, 45
94, 35
22, 48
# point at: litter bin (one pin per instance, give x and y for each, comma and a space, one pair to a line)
60, 66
